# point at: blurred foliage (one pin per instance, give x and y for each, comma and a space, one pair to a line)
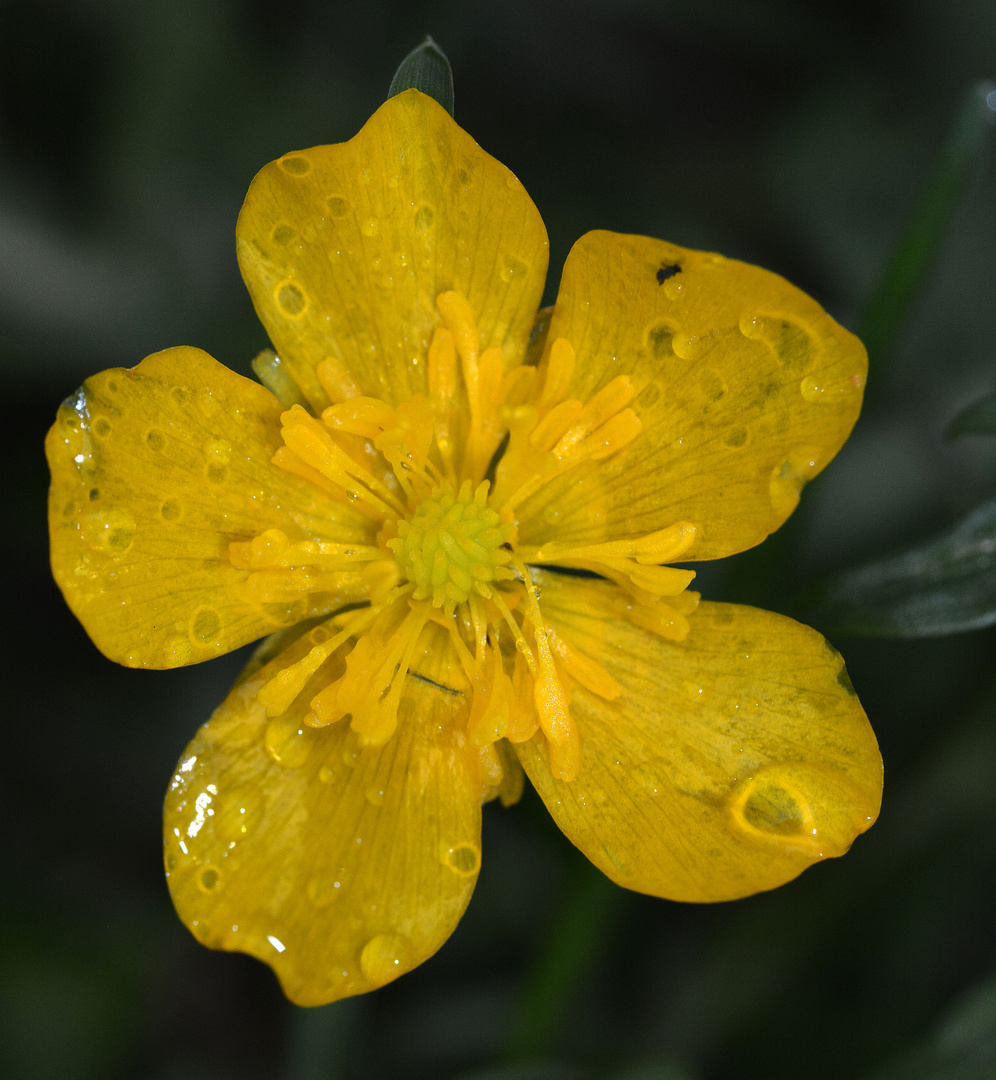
979, 418
945, 586
800, 136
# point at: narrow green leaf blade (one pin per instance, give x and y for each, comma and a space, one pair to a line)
425, 68
946, 586
978, 419
916, 248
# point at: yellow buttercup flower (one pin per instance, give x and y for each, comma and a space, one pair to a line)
455, 524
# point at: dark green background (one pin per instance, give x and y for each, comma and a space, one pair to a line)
796, 135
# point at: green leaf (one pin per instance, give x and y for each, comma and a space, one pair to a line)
978, 419
425, 68
946, 586
917, 245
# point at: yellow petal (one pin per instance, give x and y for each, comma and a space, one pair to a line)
746, 388
341, 868
155, 471
345, 249
730, 761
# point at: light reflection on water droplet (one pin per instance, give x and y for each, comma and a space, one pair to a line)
288, 741
385, 957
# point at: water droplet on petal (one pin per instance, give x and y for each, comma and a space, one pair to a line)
291, 299
171, 510
209, 879
205, 626
375, 796
369, 227
295, 165
384, 958
424, 217
338, 207
463, 859
283, 234
512, 269
288, 741
101, 427
829, 391
155, 440
111, 530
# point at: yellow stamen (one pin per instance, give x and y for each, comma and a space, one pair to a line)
591, 675
336, 381
313, 444
559, 372
632, 560
363, 416
549, 695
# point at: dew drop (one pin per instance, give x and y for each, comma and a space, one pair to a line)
205, 626
283, 234
658, 340
112, 386
218, 451
215, 472
828, 392
326, 775
101, 427
94, 494
375, 796
512, 269
463, 859
171, 510
771, 804
369, 227
155, 440
338, 207
735, 437
295, 165
384, 958
180, 395
111, 531
209, 879
286, 614
288, 741
291, 299
675, 289
551, 514
424, 217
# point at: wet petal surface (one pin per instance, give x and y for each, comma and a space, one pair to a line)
340, 867
345, 249
156, 470
730, 762
744, 387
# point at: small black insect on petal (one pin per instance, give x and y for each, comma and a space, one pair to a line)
667, 271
